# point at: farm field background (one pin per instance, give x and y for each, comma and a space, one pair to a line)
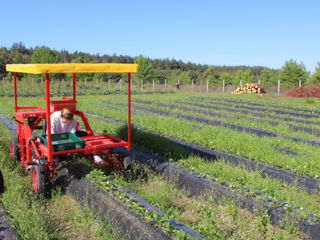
278, 132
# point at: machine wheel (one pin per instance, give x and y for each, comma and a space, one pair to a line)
127, 163
38, 181
14, 149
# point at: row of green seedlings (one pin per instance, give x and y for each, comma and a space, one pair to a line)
307, 105
218, 171
201, 214
178, 98
260, 149
264, 150
59, 217
244, 121
162, 221
303, 103
271, 115
197, 104
242, 180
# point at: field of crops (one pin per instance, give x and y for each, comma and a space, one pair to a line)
224, 166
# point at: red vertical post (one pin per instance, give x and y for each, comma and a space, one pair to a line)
74, 86
15, 91
47, 87
129, 111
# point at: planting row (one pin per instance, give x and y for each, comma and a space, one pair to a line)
192, 184
205, 226
222, 139
217, 138
264, 105
223, 170
252, 115
233, 121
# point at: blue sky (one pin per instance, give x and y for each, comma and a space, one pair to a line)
230, 32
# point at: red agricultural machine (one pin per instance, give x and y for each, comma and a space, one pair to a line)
40, 153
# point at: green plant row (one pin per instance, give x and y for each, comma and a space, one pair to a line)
223, 139
219, 170
240, 228
201, 214
247, 122
270, 114
303, 103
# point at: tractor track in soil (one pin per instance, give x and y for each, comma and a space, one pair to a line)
262, 105
303, 182
259, 109
311, 131
130, 224
101, 202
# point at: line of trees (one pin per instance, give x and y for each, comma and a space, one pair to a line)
161, 69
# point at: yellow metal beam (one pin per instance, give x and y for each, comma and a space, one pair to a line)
73, 68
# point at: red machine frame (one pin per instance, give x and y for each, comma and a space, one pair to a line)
94, 144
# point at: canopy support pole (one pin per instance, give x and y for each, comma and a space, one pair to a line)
129, 111
15, 91
47, 87
74, 86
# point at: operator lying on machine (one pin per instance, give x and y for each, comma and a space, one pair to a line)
63, 121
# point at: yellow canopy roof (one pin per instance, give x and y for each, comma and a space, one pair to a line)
73, 68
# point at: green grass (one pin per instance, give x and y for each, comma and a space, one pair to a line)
236, 176
256, 148
223, 220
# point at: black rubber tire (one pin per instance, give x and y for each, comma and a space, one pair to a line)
14, 149
38, 180
2, 188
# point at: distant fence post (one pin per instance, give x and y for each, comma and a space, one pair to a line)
299, 83
240, 83
141, 85
131, 83
207, 85
120, 84
223, 85
109, 83
259, 81
152, 85
165, 83
192, 85
178, 81
3, 80
279, 87
97, 82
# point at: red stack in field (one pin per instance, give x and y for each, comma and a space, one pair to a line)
305, 91
249, 88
